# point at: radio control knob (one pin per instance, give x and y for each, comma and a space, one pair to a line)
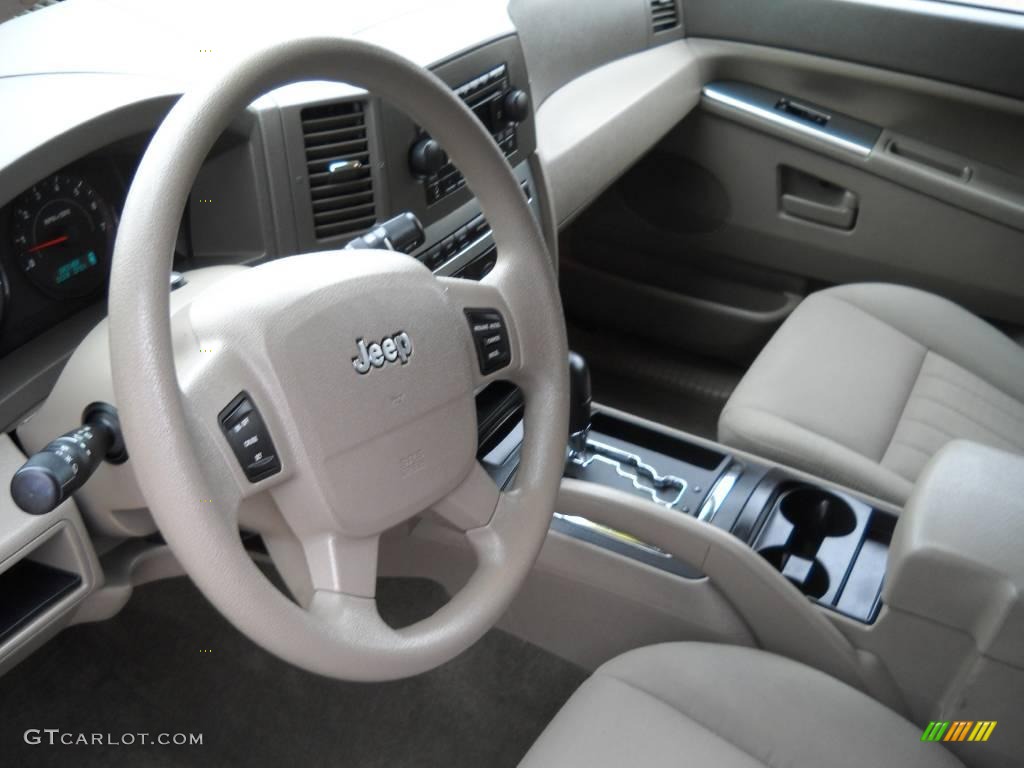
517, 105
426, 158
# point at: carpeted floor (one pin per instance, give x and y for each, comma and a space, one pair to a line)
683, 391
144, 672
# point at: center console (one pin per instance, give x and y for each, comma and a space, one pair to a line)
832, 545
355, 160
660, 536
493, 82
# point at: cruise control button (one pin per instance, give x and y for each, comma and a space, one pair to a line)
262, 467
492, 340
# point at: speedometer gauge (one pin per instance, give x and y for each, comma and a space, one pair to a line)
63, 232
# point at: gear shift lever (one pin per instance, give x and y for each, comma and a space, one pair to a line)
579, 402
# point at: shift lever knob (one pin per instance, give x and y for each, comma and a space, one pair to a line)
579, 401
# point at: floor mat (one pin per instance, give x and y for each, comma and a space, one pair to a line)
682, 391
148, 670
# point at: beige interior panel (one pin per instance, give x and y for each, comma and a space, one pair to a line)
950, 631
714, 262
900, 235
580, 602
579, 127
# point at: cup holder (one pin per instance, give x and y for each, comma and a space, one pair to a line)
809, 575
815, 515
807, 537
830, 546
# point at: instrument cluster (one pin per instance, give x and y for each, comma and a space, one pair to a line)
56, 240
62, 232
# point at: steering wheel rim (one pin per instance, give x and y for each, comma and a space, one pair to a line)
167, 390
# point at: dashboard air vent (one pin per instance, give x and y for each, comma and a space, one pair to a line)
664, 15
338, 167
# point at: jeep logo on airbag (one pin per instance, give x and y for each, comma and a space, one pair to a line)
390, 349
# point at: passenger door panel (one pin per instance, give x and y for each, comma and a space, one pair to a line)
763, 213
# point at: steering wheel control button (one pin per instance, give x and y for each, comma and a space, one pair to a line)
249, 438
490, 336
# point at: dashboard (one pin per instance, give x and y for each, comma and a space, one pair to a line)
572, 93
57, 236
309, 166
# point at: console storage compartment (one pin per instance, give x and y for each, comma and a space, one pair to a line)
47, 568
956, 557
33, 585
955, 565
41, 583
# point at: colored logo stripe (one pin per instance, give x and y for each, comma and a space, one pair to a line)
959, 730
982, 730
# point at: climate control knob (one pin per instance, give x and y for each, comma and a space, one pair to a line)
517, 106
426, 158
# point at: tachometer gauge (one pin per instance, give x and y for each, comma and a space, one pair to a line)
63, 233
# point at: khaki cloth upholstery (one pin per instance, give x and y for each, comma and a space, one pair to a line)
715, 706
864, 383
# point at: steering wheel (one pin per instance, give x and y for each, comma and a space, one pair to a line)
359, 452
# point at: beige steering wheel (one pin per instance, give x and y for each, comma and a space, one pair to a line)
360, 452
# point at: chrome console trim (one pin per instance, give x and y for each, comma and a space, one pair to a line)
619, 460
611, 533
718, 493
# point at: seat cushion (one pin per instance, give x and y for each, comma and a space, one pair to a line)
714, 706
864, 383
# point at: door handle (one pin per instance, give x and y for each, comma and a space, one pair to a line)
839, 215
809, 198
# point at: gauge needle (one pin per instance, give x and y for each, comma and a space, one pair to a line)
48, 243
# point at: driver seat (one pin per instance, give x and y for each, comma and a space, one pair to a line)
702, 705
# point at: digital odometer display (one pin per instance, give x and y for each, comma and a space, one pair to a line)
62, 234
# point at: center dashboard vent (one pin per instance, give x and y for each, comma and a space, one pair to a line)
335, 138
664, 15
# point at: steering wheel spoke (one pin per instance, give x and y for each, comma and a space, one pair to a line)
340, 563
472, 504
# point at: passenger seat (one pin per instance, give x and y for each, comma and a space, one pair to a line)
864, 383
